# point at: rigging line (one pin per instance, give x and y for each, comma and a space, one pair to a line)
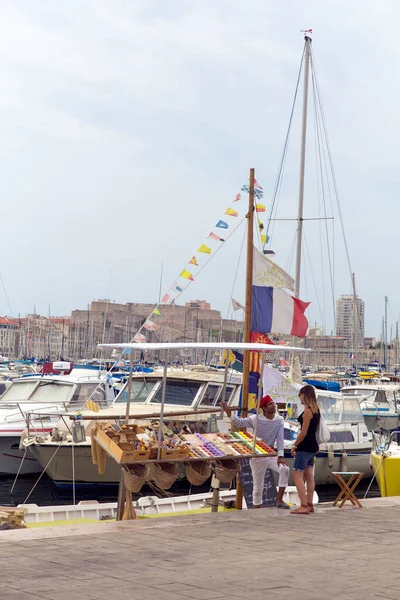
335, 187
323, 198
316, 134
286, 144
290, 257
6, 295
313, 278
236, 272
199, 271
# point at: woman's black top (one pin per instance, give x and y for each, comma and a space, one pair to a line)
310, 444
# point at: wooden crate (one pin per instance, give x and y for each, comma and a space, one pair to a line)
122, 453
175, 453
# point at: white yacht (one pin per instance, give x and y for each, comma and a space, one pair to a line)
38, 401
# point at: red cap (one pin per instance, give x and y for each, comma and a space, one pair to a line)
265, 400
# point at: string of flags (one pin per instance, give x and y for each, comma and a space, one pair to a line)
205, 251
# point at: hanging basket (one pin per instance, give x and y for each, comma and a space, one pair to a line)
164, 475
226, 470
135, 476
198, 473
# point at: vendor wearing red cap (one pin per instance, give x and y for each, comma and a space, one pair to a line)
270, 430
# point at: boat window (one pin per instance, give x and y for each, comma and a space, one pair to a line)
229, 393
352, 411
83, 392
381, 397
181, 392
141, 389
329, 407
211, 394
19, 391
51, 393
341, 436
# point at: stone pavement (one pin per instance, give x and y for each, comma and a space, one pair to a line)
345, 554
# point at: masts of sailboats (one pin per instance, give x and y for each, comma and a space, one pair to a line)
307, 50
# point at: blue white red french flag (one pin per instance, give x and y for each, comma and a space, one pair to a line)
274, 310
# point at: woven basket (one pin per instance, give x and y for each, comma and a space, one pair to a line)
135, 476
198, 473
164, 475
226, 470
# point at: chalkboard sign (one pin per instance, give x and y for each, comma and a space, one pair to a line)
269, 493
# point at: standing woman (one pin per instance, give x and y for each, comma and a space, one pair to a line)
305, 449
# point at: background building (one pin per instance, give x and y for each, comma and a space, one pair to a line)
348, 325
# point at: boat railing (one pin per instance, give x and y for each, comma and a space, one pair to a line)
388, 437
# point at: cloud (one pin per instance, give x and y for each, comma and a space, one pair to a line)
126, 127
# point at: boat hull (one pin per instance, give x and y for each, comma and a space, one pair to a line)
11, 458
60, 467
336, 461
387, 469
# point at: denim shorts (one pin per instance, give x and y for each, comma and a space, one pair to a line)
302, 460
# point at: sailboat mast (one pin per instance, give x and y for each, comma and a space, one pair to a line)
355, 323
307, 52
247, 318
385, 341
249, 283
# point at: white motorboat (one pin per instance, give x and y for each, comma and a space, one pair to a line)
379, 405
39, 400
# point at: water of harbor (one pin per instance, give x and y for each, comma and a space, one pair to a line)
46, 492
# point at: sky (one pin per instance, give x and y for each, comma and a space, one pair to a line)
127, 127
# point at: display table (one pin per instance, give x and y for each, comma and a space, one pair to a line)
347, 488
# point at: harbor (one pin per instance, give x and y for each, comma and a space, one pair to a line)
199, 329
234, 554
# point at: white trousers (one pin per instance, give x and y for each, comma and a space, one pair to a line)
258, 469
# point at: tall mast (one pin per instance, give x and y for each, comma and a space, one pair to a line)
307, 51
355, 321
385, 341
247, 317
249, 283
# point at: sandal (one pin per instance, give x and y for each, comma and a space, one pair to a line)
311, 508
302, 510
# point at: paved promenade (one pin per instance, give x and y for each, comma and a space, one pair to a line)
348, 554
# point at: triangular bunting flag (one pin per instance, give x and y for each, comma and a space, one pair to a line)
214, 236
237, 198
204, 249
156, 312
150, 325
193, 261
139, 337
91, 405
222, 225
231, 212
186, 275
236, 305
